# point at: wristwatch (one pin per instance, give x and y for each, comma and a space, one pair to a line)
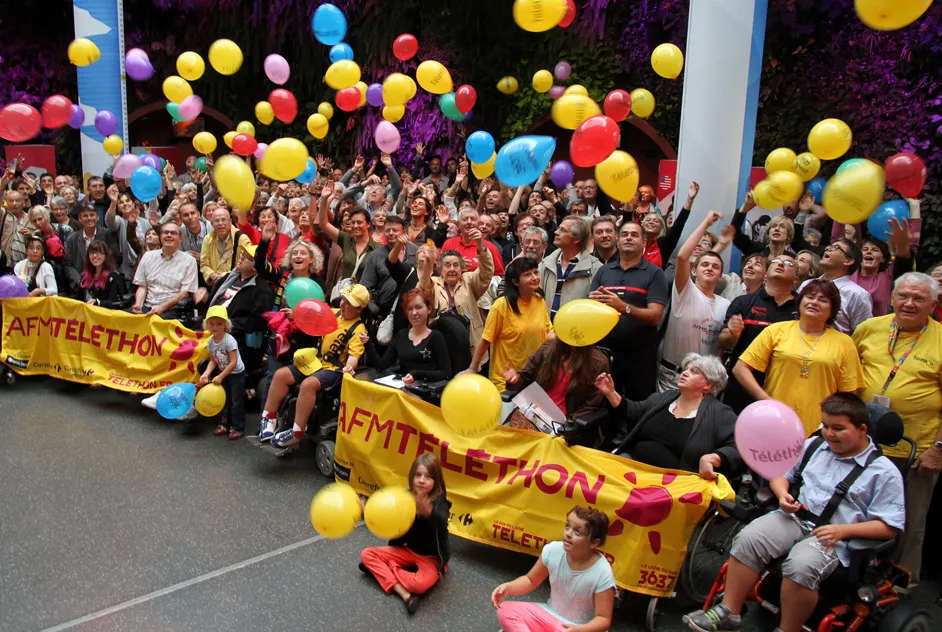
627, 309
937, 445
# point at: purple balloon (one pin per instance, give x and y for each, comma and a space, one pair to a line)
561, 173
151, 160
374, 95
77, 119
126, 165
191, 107
12, 287
556, 91
137, 65
106, 123
563, 70
262, 148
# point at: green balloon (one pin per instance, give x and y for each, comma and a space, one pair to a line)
174, 110
163, 164
850, 162
449, 108
200, 164
302, 288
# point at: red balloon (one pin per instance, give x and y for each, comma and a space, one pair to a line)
314, 317
465, 98
19, 122
348, 99
617, 105
405, 47
594, 140
244, 145
570, 14
57, 110
906, 173
283, 104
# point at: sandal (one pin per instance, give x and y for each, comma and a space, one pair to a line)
236, 434
220, 430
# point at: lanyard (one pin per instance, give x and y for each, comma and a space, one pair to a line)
891, 348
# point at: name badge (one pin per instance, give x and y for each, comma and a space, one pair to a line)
881, 400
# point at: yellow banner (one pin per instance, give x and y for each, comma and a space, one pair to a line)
71, 340
513, 488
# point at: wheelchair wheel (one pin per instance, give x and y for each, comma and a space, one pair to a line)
650, 616
906, 618
324, 455
710, 548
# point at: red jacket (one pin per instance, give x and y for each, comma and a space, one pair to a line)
470, 252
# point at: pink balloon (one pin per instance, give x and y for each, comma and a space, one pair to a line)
556, 91
126, 165
387, 137
191, 107
277, 69
770, 438
562, 70
262, 148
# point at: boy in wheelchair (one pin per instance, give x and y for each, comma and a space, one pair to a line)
340, 352
812, 529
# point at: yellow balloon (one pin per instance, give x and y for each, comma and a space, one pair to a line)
618, 175
326, 109
211, 399
806, 166
264, 112
227, 138
763, 196
780, 159
190, 66
484, 169
362, 88
411, 87
393, 113
471, 405
316, 122
342, 74
335, 510
584, 322
390, 512
667, 61
508, 85
225, 57
246, 128
576, 89
642, 103
537, 16
113, 144
83, 51
433, 77
204, 142
890, 15
786, 186
830, 139
395, 89
321, 133
570, 110
851, 196
176, 89
235, 181
542, 81
285, 159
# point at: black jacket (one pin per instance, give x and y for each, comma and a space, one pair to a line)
429, 536
113, 295
713, 429
247, 306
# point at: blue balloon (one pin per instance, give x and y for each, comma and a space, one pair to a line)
522, 160
341, 51
816, 187
879, 222
176, 400
480, 147
309, 173
329, 24
145, 183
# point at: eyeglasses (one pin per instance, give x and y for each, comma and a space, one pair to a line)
834, 247
784, 262
915, 298
171, 232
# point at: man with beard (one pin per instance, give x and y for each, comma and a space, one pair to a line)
97, 196
604, 231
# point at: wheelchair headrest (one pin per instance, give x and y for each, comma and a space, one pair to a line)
885, 426
370, 312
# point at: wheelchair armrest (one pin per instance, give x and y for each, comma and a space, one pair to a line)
592, 417
874, 547
864, 552
507, 397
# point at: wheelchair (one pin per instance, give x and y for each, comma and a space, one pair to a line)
863, 593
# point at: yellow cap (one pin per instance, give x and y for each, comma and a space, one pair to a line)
356, 294
217, 311
306, 361
249, 249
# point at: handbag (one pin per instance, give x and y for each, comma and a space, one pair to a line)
384, 332
344, 283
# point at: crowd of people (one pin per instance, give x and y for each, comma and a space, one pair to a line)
816, 310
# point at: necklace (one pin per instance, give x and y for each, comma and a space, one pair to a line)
805, 358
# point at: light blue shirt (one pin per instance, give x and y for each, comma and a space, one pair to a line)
877, 495
572, 593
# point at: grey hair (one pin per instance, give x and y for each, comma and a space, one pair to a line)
580, 230
919, 278
58, 200
43, 210
536, 229
295, 202
74, 190
813, 232
186, 188
712, 369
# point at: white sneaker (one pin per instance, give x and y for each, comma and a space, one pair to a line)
150, 402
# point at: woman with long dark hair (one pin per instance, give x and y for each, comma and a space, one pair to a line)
517, 325
100, 282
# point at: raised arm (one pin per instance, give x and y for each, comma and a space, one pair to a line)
327, 196
668, 242
682, 265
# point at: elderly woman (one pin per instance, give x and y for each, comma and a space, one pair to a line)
379, 223
60, 215
686, 428
71, 196
804, 360
36, 273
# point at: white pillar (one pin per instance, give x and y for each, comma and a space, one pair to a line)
723, 66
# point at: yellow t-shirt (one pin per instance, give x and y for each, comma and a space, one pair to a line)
914, 392
354, 346
514, 338
833, 367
